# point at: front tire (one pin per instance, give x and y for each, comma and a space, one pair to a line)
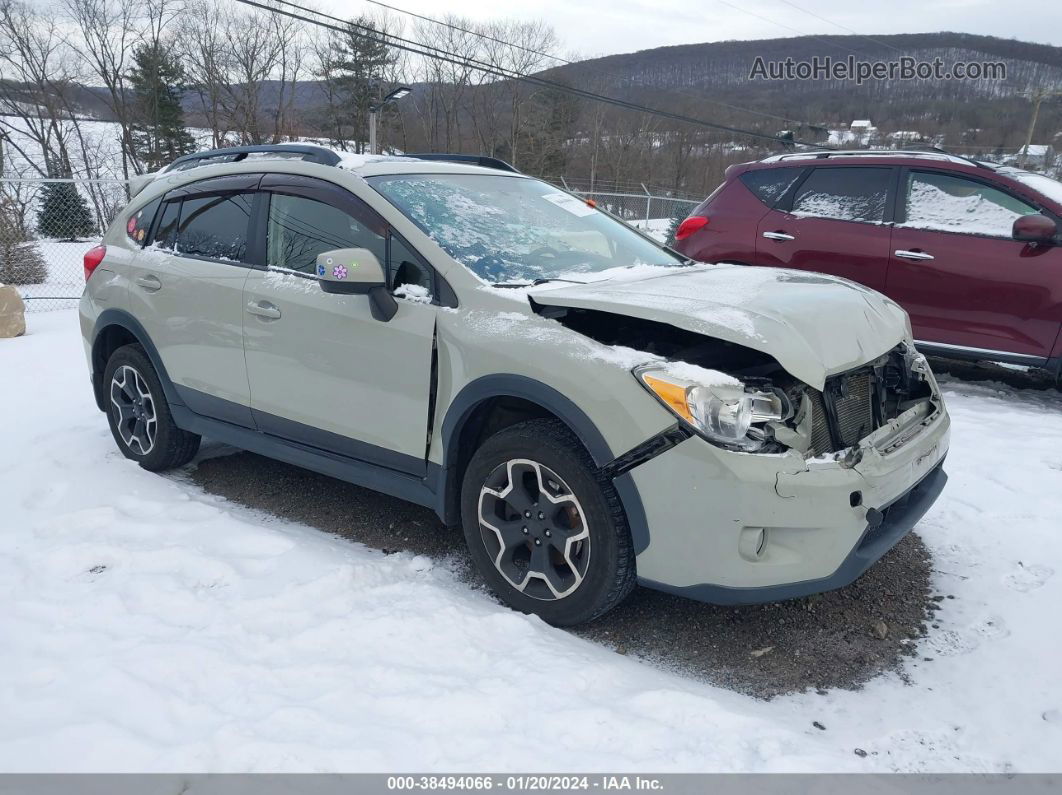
544, 527
139, 415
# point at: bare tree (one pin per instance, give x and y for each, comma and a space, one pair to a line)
109, 29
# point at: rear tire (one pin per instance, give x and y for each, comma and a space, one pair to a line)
139, 415
545, 529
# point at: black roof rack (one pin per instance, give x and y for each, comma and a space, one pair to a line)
232, 154
472, 160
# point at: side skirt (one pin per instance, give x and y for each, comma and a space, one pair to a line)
422, 491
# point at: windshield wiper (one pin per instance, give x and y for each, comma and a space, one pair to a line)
535, 282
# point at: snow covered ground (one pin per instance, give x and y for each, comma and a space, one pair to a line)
147, 626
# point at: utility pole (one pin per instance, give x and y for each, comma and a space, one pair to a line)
1037, 96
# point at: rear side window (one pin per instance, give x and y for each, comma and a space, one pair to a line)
300, 228
214, 227
769, 184
845, 193
166, 230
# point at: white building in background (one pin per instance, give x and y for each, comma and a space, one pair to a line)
901, 137
1038, 156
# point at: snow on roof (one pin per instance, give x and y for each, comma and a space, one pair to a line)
862, 123
1037, 150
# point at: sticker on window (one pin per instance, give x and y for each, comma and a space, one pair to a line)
570, 203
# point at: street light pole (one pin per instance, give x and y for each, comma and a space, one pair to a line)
375, 109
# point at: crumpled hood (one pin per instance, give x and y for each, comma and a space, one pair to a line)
814, 325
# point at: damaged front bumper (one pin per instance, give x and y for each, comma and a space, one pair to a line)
738, 528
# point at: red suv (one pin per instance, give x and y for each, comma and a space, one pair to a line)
972, 251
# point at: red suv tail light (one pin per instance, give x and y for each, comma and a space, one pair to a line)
690, 225
93, 257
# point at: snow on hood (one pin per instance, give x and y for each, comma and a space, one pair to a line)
815, 326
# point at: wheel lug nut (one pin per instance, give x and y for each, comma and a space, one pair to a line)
549, 534
527, 514
538, 542
525, 531
541, 515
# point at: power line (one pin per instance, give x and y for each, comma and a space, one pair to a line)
791, 29
566, 61
839, 25
436, 53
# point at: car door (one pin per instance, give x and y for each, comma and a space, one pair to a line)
322, 370
833, 220
961, 276
187, 292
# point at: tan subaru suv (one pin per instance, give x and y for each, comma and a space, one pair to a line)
593, 409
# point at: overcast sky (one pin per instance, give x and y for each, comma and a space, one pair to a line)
600, 27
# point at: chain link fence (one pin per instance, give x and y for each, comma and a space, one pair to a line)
47, 225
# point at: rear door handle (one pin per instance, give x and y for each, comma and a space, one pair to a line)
912, 255
264, 309
778, 236
149, 282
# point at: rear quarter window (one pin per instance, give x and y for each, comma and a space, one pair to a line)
769, 184
138, 226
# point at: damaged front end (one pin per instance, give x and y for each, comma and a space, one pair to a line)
743, 400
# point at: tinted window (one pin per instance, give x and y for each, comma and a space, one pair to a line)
299, 229
954, 204
166, 230
139, 223
847, 194
770, 183
215, 227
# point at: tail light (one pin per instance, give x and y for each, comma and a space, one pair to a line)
690, 225
93, 257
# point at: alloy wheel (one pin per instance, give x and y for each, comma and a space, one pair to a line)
534, 529
133, 408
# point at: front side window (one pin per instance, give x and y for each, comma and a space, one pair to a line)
845, 194
512, 229
300, 228
214, 227
953, 204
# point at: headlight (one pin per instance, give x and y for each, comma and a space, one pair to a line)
717, 406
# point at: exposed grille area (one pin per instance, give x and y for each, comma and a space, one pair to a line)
853, 408
854, 404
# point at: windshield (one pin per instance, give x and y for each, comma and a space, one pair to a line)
1051, 188
511, 229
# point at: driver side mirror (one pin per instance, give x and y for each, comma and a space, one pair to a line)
1034, 228
356, 271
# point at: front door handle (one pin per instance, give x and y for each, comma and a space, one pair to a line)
778, 236
264, 309
149, 283
912, 255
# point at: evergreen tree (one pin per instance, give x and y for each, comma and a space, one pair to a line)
64, 213
354, 71
158, 82
679, 213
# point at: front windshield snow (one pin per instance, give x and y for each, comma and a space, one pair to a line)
1051, 188
512, 229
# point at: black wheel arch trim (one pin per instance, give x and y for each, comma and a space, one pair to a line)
119, 317
473, 394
